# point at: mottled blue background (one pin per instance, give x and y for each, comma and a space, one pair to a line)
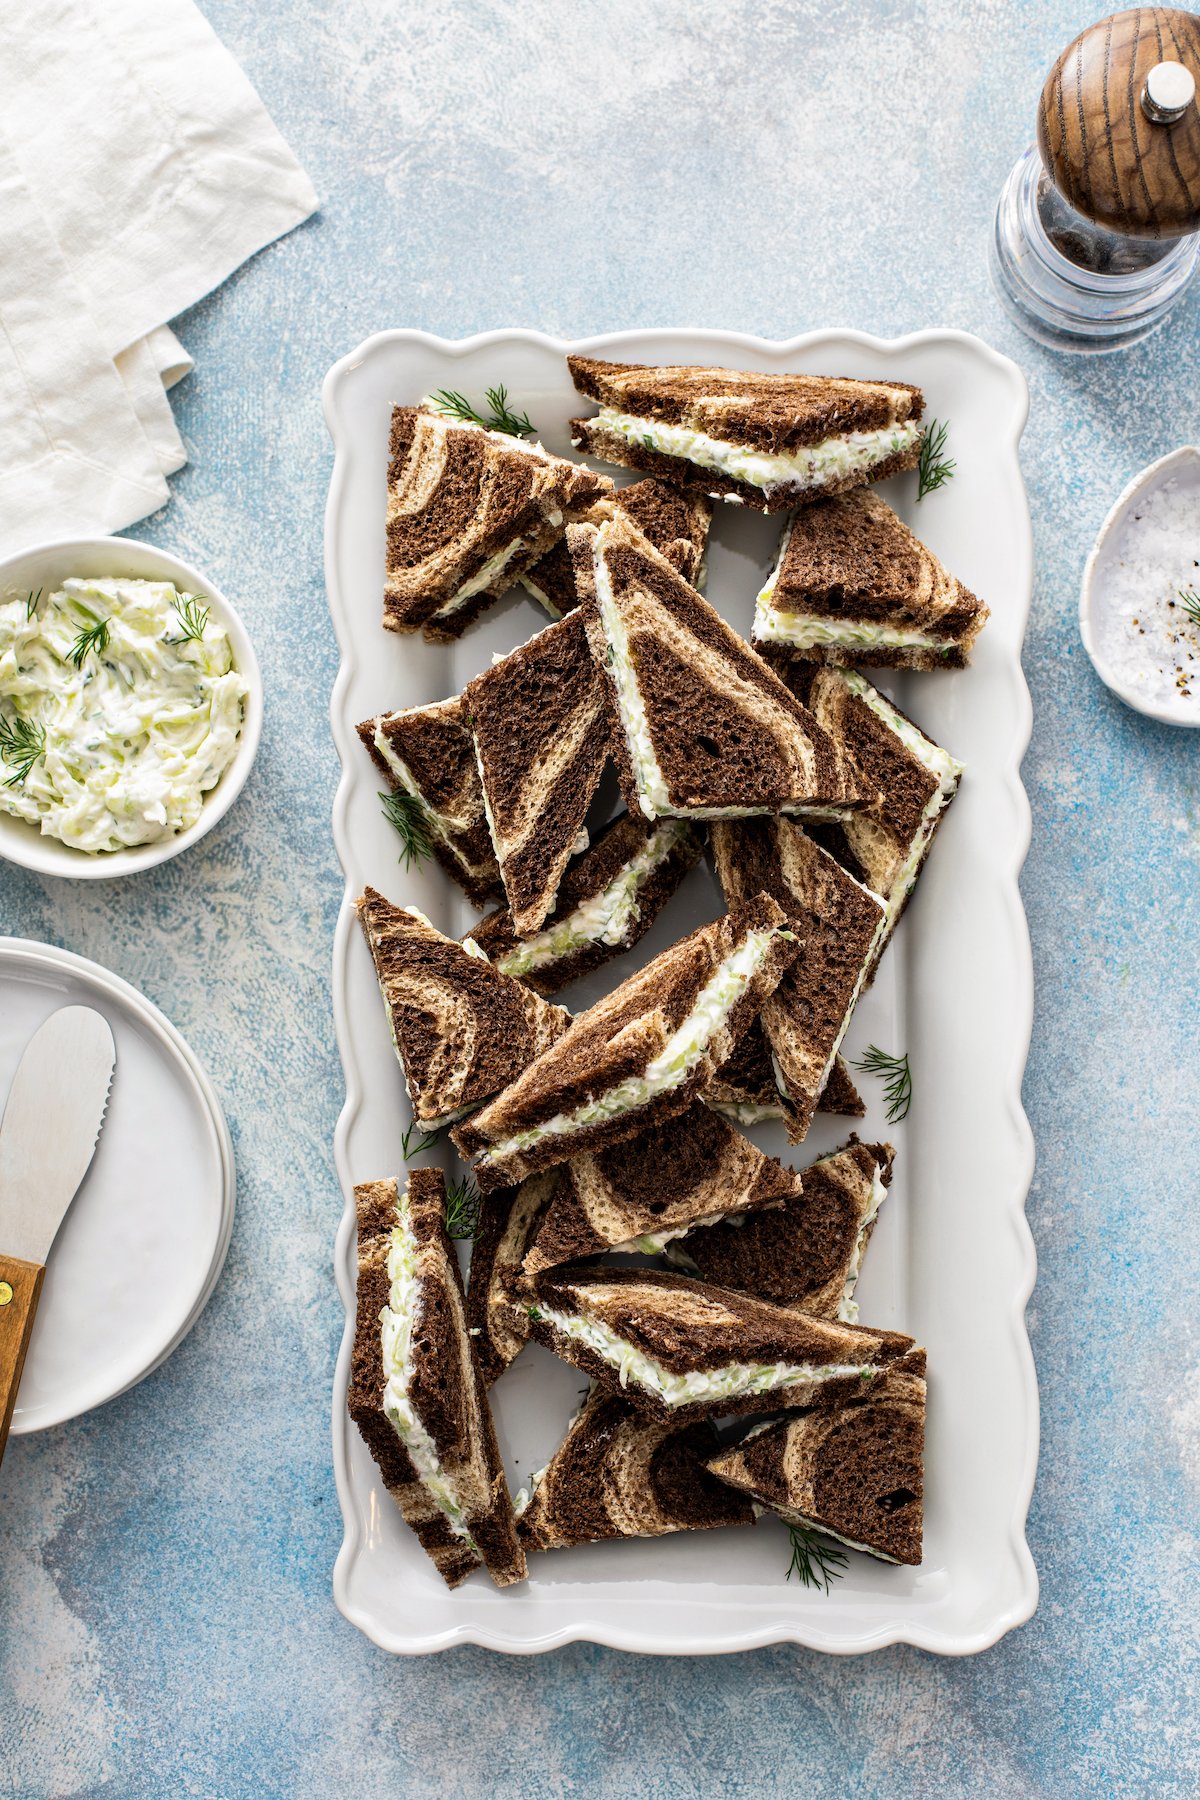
164, 1564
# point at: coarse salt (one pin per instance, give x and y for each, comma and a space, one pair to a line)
1144, 634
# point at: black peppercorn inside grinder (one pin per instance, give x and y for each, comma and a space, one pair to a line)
1095, 234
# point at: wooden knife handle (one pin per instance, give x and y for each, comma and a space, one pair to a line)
20, 1288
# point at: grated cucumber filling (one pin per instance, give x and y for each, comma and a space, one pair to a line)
130, 730
810, 466
674, 1062
673, 1389
847, 1305
483, 578
604, 918
443, 825
396, 1328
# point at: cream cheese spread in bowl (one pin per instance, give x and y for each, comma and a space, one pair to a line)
130, 705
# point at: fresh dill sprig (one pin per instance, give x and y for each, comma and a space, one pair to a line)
500, 418
416, 1140
192, 617
816, 1562
32, 602
1189, 599
407, 814
462, 1208
934, 468
92, 637
21, 743
897, 1078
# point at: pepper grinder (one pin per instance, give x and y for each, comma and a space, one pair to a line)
1095, 236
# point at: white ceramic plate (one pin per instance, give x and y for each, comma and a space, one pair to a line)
140, 1250
48, 566
952, 1260
1116, 540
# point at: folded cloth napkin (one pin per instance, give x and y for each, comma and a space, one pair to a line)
138, 169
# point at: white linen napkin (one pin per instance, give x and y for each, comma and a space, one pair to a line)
138, 169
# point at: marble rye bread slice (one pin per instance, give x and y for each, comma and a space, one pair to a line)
539, 722
462, 1030
719, 732
444, 1387
807, 1252
676, 523
467, 512
617, 1474
775, 414
497, 1309
679, 1349
592, 1088
689, 1170
428, 752
850, 575
854, 1469
607, 902
838, 922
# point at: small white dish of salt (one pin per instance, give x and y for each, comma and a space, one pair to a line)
1139, 609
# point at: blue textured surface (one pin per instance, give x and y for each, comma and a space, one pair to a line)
164, 1564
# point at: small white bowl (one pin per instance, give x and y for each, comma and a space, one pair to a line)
48, 566
1183, 462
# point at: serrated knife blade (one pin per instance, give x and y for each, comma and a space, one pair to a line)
48, 1135
51, 1123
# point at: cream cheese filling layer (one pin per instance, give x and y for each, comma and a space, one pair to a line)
674, 1389
674, 1062
396, 1321
443, 825
809, 466
795, 1518
604, 918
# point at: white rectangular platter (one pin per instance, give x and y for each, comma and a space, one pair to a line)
952, 1259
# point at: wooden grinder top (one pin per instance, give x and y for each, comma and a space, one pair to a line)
1104, 152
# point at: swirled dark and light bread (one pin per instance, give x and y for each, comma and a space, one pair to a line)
640, 1055
462, 1030
852, 584
497, 1308
468, 511
909, 779
746, 1090
540, 726
617, 1474
654, 1188
677, 1348
852, 1468
416, 1392
699, 724
807, 1252
767, 440
675, 522
838, 922
428, 753
607, 901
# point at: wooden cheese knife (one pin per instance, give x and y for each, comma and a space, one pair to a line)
51, 1123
